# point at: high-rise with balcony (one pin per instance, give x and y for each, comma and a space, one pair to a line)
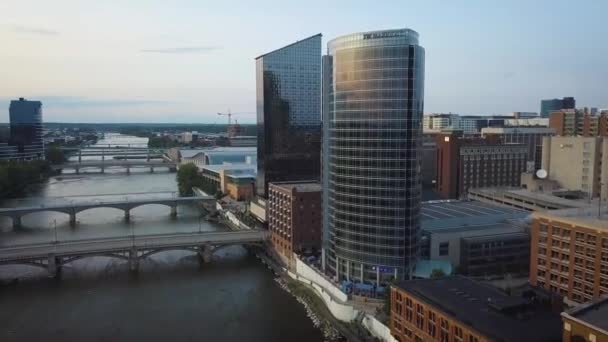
288, 92
374, 91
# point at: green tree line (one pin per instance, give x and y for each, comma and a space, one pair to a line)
188, 177
17, 176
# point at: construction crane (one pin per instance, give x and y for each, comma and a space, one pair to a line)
230, 114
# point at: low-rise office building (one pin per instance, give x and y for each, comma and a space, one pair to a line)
460, 309
294, 217
477, 239
569, 253
587, 322
235, 180
525, 199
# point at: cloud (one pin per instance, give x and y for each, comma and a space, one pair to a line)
34, 30
183, 50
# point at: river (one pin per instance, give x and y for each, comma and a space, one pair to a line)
171, 298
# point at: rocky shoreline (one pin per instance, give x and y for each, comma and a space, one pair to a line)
329, 332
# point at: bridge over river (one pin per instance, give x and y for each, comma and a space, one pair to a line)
104, 164
53, 255
126, 205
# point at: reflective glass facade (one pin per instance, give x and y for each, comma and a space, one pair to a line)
26, 128
373, 102
288, 91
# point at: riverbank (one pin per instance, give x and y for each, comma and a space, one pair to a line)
17, 177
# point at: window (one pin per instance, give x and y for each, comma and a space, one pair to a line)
444, 248
458, 336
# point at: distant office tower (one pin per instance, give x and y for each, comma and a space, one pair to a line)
374, 87
434, 123
549, 106
26, 128
288, 91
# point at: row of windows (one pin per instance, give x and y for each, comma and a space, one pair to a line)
427, 320
403, 84
389, 104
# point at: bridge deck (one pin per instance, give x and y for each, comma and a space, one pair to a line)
96, 204
141, 242
109, 163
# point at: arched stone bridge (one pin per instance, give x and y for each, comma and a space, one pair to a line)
52, 256
72, 209
104, 164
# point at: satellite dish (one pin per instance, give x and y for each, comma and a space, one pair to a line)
541, 173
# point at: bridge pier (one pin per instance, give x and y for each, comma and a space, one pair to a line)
54, 266
16, 222
72, 219
77, 170
128, 170
151, 169
127, 215
205, 253
174, 211
133, 260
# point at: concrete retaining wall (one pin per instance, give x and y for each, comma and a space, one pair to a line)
310, 273
340, 311
337, 301
377, 328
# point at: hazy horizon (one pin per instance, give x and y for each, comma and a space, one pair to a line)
184, 61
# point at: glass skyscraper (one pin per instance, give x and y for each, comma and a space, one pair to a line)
373, 87
26, 128
288, 91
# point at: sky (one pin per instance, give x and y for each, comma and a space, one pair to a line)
184, 61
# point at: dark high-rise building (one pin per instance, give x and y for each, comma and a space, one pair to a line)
552, 105
26, 128
374, 91
288, 90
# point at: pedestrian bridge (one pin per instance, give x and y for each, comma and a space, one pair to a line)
53, 255
128, 164
126, 205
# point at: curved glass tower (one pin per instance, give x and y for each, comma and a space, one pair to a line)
372, 107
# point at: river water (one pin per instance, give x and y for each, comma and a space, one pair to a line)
172, 298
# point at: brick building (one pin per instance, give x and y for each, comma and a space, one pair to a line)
464, 163
458, 309
294, 217
569, 253
588, 322
582, 122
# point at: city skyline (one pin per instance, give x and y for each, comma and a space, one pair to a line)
164, 63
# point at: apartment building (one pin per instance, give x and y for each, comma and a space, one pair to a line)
294, 217
569, 253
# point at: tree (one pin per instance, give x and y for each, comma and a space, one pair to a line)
187, 177
437, 273
55, 155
